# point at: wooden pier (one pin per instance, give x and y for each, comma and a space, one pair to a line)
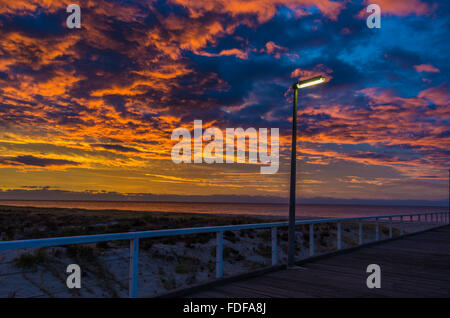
412, 266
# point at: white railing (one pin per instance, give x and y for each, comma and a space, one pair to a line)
431, 218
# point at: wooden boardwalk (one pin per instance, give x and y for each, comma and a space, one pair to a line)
413, 266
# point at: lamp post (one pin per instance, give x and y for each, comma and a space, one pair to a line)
291, 233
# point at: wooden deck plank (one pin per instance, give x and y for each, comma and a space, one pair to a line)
413, 266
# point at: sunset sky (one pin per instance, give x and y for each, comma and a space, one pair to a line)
92, 110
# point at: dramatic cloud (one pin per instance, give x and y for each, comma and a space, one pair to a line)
426, 68
35, 162
95, 107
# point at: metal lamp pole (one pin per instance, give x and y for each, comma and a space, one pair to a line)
291, 231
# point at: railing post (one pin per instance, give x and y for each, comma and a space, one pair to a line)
339, 235
134, 269
274, 247
390, 227
377, 230
402, 230
311, 239
418, 218
219, 254
360, 232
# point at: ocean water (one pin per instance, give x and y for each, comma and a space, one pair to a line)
276, 210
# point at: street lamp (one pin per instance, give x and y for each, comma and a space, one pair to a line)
291, 234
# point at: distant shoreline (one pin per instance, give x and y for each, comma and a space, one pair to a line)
147, 211
231, 203
260, 210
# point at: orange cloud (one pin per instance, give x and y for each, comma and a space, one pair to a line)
237, 52
426, 68
264, 10
401, 7
319, 69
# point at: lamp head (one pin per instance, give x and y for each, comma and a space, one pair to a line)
309, 82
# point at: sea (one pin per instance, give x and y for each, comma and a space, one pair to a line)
252, 209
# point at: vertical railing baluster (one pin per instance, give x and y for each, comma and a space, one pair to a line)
274, 247
402, 230
134, 268
390, 227
311, 239
339, 235
377, 230
360, 232
219, 254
